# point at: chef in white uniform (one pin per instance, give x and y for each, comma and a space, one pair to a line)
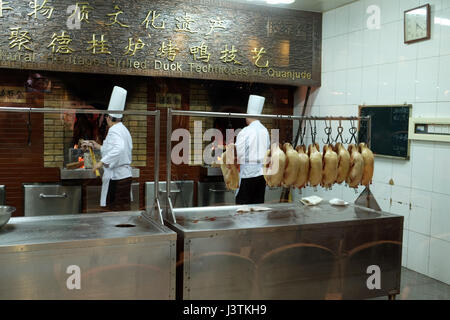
252, 143
116, 157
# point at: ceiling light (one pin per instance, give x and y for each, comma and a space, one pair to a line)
280, 1
275, 1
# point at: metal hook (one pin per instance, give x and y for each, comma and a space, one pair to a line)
313, 131
230, 126
353, 130
328, 130
340, 129
302, 134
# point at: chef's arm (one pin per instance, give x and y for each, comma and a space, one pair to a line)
97, 165
111, 158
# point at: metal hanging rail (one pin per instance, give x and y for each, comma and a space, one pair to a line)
84, 111
168, 208
155, 212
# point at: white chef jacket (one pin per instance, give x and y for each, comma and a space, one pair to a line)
116, 156
252, 143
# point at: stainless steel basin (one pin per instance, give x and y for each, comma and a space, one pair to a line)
5, 214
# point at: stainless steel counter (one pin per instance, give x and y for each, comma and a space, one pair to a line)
289, 252
74, 174
226, 218
120, 255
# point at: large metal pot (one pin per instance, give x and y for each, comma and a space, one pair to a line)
5, 214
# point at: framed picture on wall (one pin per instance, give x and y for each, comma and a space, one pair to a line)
416, 24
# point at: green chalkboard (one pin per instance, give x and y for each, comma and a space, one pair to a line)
389, 129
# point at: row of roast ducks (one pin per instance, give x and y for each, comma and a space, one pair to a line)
289, 167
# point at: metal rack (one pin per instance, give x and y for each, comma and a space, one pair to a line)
168, 208
155, 212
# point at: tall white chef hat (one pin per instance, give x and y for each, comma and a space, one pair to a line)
255, 104
117, 101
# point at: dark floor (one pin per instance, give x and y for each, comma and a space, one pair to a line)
416, 286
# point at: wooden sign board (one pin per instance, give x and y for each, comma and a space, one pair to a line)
202, 39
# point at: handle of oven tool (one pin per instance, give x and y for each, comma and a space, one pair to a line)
97, 173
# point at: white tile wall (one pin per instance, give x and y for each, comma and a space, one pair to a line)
426, 79
422, 163
387, 76
355, 49
441, 176
443, 18
405, 247
418, 252
420, 214
376, 67
440, 216
439, 265
444, 78
405, 90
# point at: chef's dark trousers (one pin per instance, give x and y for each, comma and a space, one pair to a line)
251, 190
118, 198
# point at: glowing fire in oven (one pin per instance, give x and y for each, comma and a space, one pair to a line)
80, 159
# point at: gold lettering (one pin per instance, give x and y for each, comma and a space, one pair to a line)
98, 46
133, 47
82, 9
19, 39
229, 56
184, 24
216, 24
155, 16
170, 51
257, 57
60, 44
42, 9
114, 16
3, 7
200, 53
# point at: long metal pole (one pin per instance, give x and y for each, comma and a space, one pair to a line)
85, 111
257, 116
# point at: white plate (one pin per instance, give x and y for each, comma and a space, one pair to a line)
338, 202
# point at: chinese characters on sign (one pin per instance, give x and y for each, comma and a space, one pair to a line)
60, 44
4, 7
132, 47
169, 51
19, 39
82, 10
258, 56
184, 24
42, 9
98, 46
216, 24
12, 94
229, 56
152, 20
152, 37
200, 53
114, 18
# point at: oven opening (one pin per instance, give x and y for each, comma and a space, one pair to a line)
85, 127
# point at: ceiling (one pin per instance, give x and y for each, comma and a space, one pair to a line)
307, 5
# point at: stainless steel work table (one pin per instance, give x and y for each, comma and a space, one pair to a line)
120, 255
289, 252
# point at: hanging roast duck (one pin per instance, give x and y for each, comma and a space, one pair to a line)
303, 171
274, 165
